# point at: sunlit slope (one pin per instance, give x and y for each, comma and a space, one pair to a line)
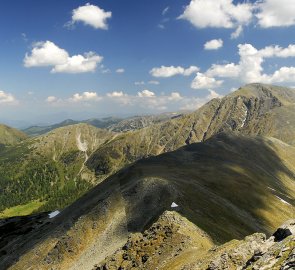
57, 163
254, 109
49, 168
229, 186
10, 136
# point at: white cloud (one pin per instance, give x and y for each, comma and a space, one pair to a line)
237, 32
219, 14
139, 83
165, 10
191, 70
213, 44
213, 94
45, 54
79, 64
194, 103
154, 82
7, 98
120, 70
146, 93
116, 94
105, 71
202, 81
85, 96
166, 72
174, 96
250, 67
225, 71
91, 15
51, 99
274, 13
48, 54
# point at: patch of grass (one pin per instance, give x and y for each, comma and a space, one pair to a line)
21, 210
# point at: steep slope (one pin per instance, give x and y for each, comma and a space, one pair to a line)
254, 109
10, 136
139, 122
48, 172
229, 186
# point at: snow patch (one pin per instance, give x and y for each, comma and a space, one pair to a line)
245, 118
174, 205
82, 146
283, 201
53, 214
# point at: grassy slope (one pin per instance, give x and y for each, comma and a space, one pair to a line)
48, 168
54, 159
21, 210
228, 186
10, 136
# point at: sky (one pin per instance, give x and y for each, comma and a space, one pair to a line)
78, 59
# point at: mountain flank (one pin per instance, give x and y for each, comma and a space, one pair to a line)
10, 136
229, 186
50, 171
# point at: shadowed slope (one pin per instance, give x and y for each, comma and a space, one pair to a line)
229, 186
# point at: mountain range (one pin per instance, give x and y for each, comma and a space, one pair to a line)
228, 170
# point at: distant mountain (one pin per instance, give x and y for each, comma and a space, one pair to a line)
228, 186
99, 123
10, 136
110, 123
252, 110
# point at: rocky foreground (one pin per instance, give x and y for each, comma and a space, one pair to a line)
173, 242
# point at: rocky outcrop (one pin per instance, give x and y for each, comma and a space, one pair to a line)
169, 240
174, 243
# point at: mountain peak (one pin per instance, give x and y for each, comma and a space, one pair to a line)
265, 91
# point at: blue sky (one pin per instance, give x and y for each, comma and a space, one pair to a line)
146, 56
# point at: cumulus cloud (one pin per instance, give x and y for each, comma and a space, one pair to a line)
249, 69
51, 99
274, 13
116, 94
219, 14
213, 44
7, 98
146, 93
48, 54
45, 54
166, 72
174, 96
79, 64
120, 70
225, 71
85, 96
91, 15
202, 81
